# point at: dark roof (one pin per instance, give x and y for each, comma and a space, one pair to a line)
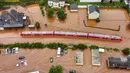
93, 8
11, 19
73, 6
121, 62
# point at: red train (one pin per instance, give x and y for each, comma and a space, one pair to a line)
74, 34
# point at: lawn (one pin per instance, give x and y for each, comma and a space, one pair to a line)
11, 0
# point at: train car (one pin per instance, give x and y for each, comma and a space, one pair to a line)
81, 34
73, 34
44, 33
36, 33
26, 33
59, 33
116, 38
70, 33
103, 36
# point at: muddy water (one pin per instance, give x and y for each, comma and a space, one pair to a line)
33, 5
40, 61
74, 22
110, 18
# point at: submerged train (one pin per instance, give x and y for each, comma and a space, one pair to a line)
74, 34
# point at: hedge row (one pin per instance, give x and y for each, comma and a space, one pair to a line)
113, 4
40, 45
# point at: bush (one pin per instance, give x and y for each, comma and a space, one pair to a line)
56, 45
56, 69
37, 25
127, 8
116, 49
42, 11
106, 48
93, 47
79, 46
126, 51
97, 20
52, 46
50, 12
61, 14
42, 2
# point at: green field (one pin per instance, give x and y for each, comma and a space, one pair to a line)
11, 0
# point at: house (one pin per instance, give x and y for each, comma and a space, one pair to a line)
119, 62
110, 0
12, 19
73, 7
79, 58
93, 12
90, 0
56, 3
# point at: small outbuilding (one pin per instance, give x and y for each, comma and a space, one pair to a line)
93, 12
73, 7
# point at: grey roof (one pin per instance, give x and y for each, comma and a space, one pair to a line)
11, 19
121, 62
73, 6
93, 8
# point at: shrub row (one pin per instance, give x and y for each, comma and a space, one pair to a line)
40, 45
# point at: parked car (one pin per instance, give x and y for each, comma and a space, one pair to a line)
58, 52
21, 57
72, 71
51, 60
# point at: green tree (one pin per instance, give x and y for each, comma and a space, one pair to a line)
79, 46
126, 51
97, 20
61, 14
71, 1
93, 47
37, 25
56, 69
43, 2
50, 12
116, 49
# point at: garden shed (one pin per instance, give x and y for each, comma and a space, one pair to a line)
93, 12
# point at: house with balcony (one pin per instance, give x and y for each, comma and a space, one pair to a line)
56, 3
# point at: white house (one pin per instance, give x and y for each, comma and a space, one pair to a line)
56, 3
93, 12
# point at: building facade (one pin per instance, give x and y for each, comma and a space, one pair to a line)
56, 3
93, 12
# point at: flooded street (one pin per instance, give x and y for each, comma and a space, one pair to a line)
40, 61
110, 18
74, 22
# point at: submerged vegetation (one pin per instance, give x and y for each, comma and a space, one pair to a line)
39, 45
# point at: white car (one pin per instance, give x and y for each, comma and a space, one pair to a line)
58, 52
